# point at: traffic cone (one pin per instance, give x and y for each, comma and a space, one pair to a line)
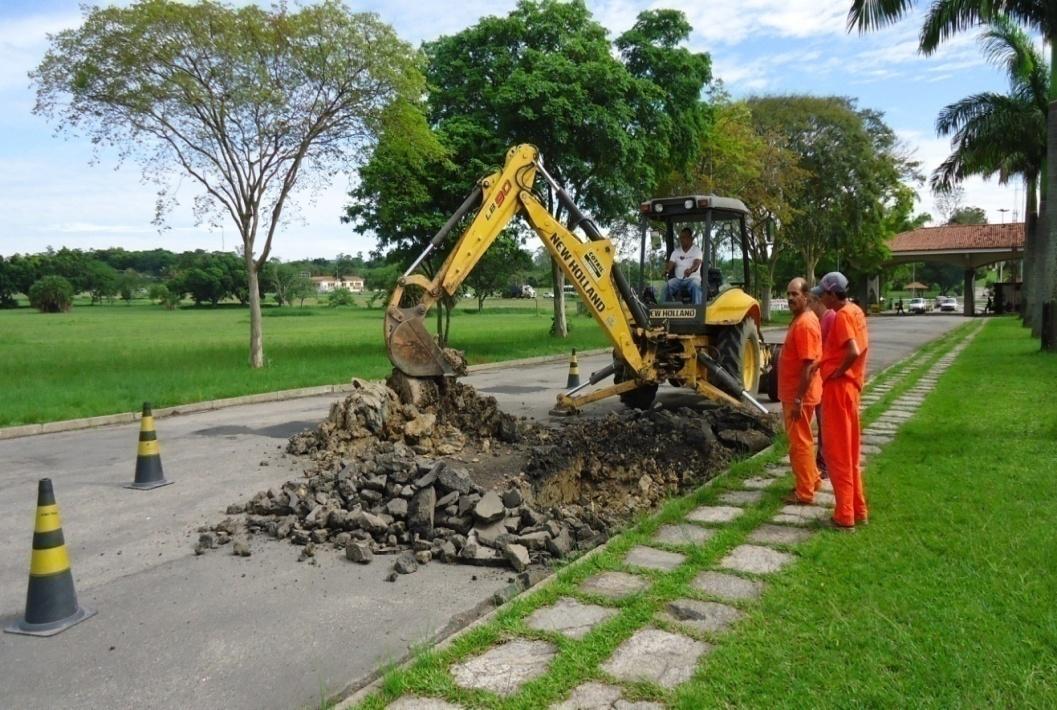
51, 602
148, 458
574, 372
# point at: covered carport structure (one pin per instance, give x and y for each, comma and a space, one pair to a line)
969, 246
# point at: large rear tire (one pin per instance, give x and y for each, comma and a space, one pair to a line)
640, 398
738, 351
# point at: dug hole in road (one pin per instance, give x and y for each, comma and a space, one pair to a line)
281, 628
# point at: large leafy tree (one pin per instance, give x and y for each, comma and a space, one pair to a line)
1004, 135
603, 117
744, 158
249, 103
853, 194
947, 18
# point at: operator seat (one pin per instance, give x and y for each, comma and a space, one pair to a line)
713, 282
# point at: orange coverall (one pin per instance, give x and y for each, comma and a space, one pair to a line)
803, 344
840, 413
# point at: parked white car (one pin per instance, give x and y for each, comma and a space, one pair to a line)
916, 305
947, 304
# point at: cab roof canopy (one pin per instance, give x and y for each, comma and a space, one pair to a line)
688, 208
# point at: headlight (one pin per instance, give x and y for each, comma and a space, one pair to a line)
658, 207
689, 204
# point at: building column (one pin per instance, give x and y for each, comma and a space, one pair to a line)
969, 293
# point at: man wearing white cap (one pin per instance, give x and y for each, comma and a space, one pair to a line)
843, 369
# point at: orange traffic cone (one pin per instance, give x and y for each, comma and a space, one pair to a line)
51, 602
149, 473
574, 372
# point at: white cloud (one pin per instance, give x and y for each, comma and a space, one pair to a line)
23, 41
989, 195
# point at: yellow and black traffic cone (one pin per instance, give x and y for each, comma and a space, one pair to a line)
574, 372
51, 602
148, 457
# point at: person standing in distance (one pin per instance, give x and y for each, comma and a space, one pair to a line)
685, 266
843, 370
800, 390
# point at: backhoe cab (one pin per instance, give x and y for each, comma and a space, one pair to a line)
714, 349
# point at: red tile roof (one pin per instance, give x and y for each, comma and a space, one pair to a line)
960, 237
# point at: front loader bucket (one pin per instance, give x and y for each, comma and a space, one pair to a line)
411, 347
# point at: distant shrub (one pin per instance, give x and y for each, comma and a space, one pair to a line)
165, 296
341, 297
375, 299
51, 294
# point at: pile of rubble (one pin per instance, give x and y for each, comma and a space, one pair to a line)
376, 483
428, 418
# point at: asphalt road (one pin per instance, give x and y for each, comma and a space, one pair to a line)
175, 630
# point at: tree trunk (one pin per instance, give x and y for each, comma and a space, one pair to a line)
256, 334
1048, 228
560, 328
810, 263
1032, 315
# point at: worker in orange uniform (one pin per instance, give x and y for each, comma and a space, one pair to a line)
843, 370
800, 390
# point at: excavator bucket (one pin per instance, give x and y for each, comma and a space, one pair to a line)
411, 347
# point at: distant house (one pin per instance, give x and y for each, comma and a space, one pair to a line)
326, 284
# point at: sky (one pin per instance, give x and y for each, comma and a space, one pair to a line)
56, 191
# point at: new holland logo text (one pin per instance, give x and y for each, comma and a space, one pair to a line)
672, 313
577, 272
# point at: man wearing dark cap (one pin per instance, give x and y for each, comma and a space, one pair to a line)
843, 370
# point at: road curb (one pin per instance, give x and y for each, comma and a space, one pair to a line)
16, 432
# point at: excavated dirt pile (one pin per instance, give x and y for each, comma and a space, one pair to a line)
427, 418
381, 478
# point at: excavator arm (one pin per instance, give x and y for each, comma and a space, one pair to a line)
502, 196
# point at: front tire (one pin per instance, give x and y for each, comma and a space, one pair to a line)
738, 351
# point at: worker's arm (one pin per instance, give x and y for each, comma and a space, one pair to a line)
806, 373
693, 267
851, 354
670, 268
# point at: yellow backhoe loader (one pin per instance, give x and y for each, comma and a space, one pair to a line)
715, 348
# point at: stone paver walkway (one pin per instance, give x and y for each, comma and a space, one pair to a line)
614, 585
714, 514
727, 586
684, 534
504, 668
569, 617
656, 656
754, 559
706, 617
599, 696
652, 558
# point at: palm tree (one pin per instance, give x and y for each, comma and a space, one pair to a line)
1004, 134
948, 17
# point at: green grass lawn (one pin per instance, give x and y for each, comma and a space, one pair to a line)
946, 600
104, 359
